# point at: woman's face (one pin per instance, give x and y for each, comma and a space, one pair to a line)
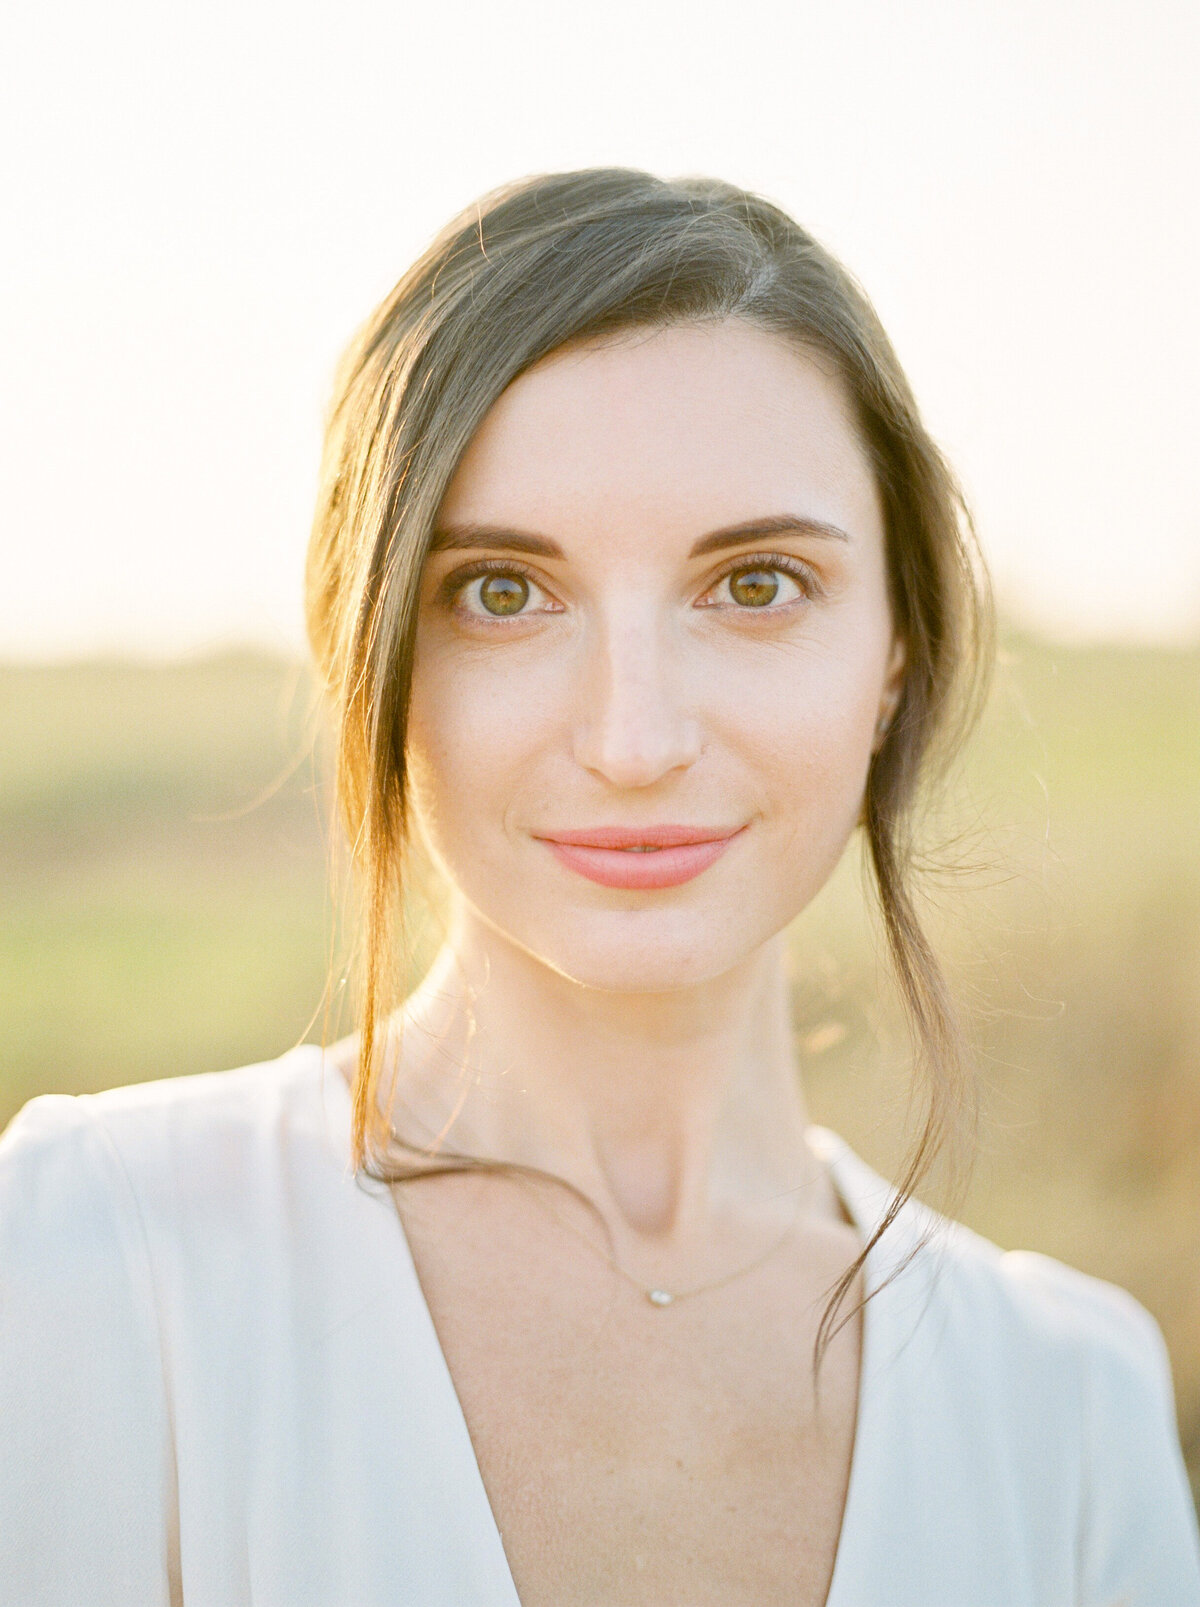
656, 606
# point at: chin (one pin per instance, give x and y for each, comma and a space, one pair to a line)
642, 943
643, 952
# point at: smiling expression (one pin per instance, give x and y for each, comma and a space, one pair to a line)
653, 648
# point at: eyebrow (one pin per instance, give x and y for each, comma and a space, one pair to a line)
496, 538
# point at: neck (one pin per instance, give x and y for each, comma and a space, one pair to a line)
668, 1110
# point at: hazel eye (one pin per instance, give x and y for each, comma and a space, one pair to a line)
490, 592
503, 594
755, 588
759, 586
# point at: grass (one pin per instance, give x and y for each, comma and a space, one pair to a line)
163, 855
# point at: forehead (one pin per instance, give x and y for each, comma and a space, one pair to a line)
694, 426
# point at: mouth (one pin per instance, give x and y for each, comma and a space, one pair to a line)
643, 858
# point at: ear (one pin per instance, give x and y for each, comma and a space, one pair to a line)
893, 687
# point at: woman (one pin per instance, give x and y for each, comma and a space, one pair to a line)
636, 585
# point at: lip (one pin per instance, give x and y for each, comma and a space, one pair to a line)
608, 854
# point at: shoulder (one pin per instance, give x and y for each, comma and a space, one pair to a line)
1098, 1351
1102, 1322
1018, 1302
1082, 1348
64, 1207
84, 1422
208, 1112
72, 1253
137, 1226
90, 1174
1043, 1305
220, 1212
1138, 1532
1058, 1379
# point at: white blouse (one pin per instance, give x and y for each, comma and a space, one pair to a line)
220, 1385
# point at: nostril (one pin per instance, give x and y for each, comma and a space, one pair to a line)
629, 757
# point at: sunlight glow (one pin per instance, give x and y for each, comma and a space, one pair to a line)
204, 201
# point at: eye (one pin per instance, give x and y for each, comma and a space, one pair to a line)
763, 584
503, 594
490, 592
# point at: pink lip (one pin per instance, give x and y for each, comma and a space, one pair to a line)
607, 854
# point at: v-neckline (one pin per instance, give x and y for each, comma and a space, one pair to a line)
848, 1175
862, 1195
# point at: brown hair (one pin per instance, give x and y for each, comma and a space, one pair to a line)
567, 257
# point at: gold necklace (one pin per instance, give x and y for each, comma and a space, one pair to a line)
660, 1297
656, 1295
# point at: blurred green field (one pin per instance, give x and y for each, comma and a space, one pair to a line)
164, 911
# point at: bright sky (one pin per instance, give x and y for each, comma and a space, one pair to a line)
203, 200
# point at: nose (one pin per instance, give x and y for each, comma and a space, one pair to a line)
632, 728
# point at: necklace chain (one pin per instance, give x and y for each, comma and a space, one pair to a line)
656, 1295
660, 1297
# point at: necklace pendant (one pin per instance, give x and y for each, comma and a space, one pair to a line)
659, 1297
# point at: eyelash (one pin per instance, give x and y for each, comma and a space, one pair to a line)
803, 574
460, 579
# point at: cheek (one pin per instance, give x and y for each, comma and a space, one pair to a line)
789, 730
806, 717
471, 737
804, 736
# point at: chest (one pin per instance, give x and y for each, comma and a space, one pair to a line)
636, 1455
